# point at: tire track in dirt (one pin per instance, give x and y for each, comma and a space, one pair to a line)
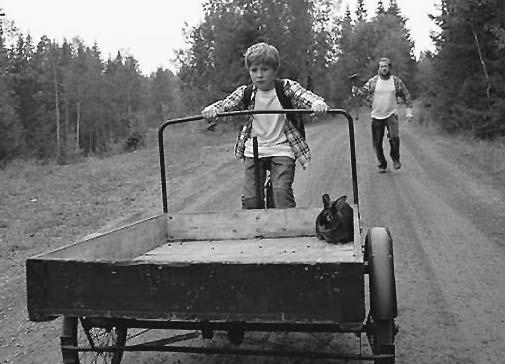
448, 241
448, 270
330, 168
466, 261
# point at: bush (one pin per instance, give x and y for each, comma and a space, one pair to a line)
134, 141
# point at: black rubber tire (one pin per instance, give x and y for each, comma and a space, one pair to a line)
382, 287
73, 334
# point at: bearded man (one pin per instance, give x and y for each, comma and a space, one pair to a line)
382, 92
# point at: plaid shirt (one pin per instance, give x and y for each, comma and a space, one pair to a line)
401, 90
300, 98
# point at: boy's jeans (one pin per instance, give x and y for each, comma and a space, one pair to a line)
282, 174
378, 127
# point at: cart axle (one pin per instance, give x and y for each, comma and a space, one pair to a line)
229, 351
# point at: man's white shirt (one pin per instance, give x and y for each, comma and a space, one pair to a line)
384, 99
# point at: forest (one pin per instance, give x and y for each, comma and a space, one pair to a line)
61, 100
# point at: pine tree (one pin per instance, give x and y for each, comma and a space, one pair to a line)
380, 8
163, 91
393, 8
361, 11
214, 65
11, 129
468, 56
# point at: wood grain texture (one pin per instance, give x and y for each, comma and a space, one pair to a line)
124, 243
325, 292
280, 250
246, 265
243, 224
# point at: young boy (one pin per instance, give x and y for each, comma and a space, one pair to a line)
281, 139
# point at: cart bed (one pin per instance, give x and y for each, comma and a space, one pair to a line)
296, 250
261, 266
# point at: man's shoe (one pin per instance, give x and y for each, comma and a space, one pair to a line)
397, 165
382, 169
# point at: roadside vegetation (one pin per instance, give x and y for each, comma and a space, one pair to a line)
78, 148
67, 116
60, 100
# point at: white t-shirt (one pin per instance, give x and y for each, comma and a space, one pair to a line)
384, 99
268, 128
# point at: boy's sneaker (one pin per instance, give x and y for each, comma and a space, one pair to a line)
382, 169
397, 164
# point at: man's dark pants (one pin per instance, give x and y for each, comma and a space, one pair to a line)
378, 127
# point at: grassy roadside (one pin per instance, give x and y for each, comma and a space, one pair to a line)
46, 206
43, 207
489, 155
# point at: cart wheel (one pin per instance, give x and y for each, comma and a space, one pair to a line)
236, 333
380, 325
82, 333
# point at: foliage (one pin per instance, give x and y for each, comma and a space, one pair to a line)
302, 31
467, 90
61, 101
363, 42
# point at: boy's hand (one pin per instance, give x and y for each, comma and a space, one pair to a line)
408, 114
209, 112
319, 106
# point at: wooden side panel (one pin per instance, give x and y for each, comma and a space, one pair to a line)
125, 243
243, 224
206, 291
36, 288
358, 243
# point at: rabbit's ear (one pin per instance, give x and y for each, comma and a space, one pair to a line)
342, 198
326, 201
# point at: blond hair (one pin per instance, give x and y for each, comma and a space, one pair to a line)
262, 53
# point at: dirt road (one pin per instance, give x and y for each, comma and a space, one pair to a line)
446, 214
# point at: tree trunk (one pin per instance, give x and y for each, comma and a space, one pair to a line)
57, 110
482, 62
164, 110
77, 126
130, 118
67, 125
501, 13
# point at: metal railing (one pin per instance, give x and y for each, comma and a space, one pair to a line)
252, 112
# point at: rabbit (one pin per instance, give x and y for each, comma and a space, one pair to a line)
335, 222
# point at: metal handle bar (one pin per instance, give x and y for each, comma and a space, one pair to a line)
252, 112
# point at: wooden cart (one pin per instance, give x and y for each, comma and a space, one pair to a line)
248, 270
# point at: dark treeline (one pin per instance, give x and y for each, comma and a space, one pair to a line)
303, 32
59, 101
62, 101
464, 79
317, 48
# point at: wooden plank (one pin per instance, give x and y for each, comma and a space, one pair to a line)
206, 291
36, 288
359, 244
243, 224
124, 243
129, 242
280, 250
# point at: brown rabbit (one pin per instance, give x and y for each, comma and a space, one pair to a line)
335, 222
